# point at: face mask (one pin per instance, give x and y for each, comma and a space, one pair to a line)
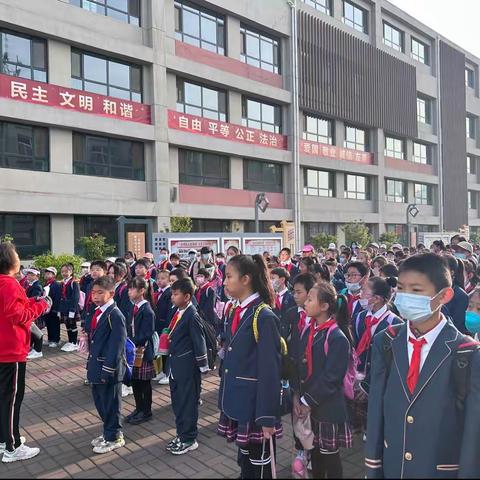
276, 285
229, 257
353, 288
343, 260
472, 322
130, 261
162, 258
415, 308
364, 303
461, 256
192, 257
354, 259
205, 257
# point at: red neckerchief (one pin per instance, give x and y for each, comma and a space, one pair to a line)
288, 266
237, 316
314, 329
201, 289
65, 287
366, 340
49, 282
351, 299
302, 321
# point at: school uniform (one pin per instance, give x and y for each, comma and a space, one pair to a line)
86, 283
292, 269
338, 279
165, 265
284, 301
187, 358
206, 298
35, 289
422, 434
68, 312
89, 306
163, 317
249, 396
456, 308
105, 365
122, 299
51, 319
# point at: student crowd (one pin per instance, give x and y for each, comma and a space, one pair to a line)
346, 340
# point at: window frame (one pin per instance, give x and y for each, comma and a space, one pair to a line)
392, 152
351, 22
470, 77
185, 178
426, 118
389, 42
354, 145
106, 7
357, 194
246, 31
428, 154
251, 184
318, 191
277, 129
324, 6
316, 136
471, 164
472, 200
397, 196
471, 127
424, 199
416, 56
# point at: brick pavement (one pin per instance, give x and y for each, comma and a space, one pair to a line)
58, 415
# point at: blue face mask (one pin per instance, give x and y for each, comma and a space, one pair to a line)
162, 258
461, 256
414, 308
472, 322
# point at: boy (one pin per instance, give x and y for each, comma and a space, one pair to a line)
187, 359
205, 295
105, 367
98, 268
283, 298
164, 263
286, 262
174, 260
54, 291
68, 311
142, 270
423, 416
34, 288
164, 306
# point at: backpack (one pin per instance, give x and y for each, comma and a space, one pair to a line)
461, 365
351, 375
210, 341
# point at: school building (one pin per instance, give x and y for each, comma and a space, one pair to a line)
339, 110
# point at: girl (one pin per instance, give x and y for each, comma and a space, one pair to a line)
249, 397
140, 331
377, 264
307, 264
118, 272
472, 316
356, 276
456, 308
471, 278
69, 310
321, 366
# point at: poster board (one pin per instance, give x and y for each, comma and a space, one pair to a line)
136, 243
181, 246
231, 242
252, 245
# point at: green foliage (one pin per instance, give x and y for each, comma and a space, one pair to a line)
95, 247
322, 240
357, 232
7, 238
180, 224
49, 260
389, 238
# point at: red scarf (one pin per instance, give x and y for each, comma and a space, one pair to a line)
201, 289
370, 321
287, 266
302, 321
65, 287
49, 282
174, 322
351, 301
314, 329
237, 316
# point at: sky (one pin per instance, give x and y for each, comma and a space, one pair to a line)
457, 20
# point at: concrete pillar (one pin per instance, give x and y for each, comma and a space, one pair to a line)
340, 234
234, 46
339, 133
340, 185
61, 150
62, 234
59, 63
235, 107
409, 150
236, 173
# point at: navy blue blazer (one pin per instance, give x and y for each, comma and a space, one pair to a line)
323, 391
69, 303
144, 326
188, 350
35, 289
122, 300
55, 293
338, 280
456, 308
206, 306
422, 435
292, 318
86, 283
251, 381
287, 303
164, 305
106, 359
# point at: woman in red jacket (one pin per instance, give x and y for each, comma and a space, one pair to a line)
17, 312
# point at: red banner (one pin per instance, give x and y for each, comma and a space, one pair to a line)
330, 151
227, 131
23, 90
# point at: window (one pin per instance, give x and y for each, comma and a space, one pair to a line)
24, 147
399, 229
85, 226
471, 126
420, 51
422, 153
202, 225
424, 110
392, 37
323, 6
471, 165
260, 50
127, 11
199, 27
356, 139
357, 187
197, 99
472, 200
107, 157
317, 129
423, 194
395, 191
102, 75
31, 233
262, 176
203, 168
319, 183
249, 226
469, 77
22, 56
355, 17
263, 116
394, 147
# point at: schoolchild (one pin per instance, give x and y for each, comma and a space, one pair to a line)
34, 288
69, 309
162, 318
53, 289
284, 300
118, 272
142, 271
206, 296
356, 276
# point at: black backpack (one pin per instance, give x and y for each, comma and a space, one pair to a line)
210, 341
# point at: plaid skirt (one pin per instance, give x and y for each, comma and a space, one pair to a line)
145, 372
243, 434
358, 409
329, 437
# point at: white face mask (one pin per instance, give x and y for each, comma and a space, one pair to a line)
276, 285
414, 308
364, 303
353, 288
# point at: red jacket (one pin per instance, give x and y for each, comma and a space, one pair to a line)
17, 312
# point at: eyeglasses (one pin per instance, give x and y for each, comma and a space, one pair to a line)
353, 275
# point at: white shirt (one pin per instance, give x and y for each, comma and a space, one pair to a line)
378, 314
247, 302
430, 337
307, 320
281, 294
142, 302
103, 308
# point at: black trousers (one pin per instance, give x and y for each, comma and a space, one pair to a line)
71, 325
142, 391
108, 401
255, 460
53, 327
12, 390
326, 465
185, 395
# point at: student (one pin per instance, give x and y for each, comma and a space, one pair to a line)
140, 330
321, 272
53, 290
388, 270
162, 314
306, 264
249, 397
472, 315
471, 278
105, 367
34, 288
321, 363
118, 272
205, 259
131, 260
68, 312
286, 262
417, 427
86, 279
456, 308
233, 251
142, 271
174, 260
163, 261
98, 268
206, 296
356, 276
283, 298
377, 264
187, 353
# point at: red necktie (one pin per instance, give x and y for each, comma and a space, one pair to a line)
64, 288
236, 318
93, 326
314, 329
414, 369
174, 322
278, 302
302, 321
135, 310
351, 300
366, 339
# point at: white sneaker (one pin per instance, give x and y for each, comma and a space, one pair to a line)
53, 345
70, 347
158, 377
3, 446
126, 391
97, 441
164, 380
34, 354
106, 447
66, 347
21, 453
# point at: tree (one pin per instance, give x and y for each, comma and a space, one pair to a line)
388, 238
95, 247
180, 224
49, 260
357, 232
7, 238
323, 240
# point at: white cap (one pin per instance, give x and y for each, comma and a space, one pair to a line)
111, 259
192, 250
51, 270
34, 271
397, 245
383, 246
85, 265
332, 246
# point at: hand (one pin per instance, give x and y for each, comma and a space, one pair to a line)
268, 432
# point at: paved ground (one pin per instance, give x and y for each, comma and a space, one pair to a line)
58, 415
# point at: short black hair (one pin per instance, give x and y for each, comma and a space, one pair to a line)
69, 266
433, 266
281, 272
118, 269
143, 262
361, 267
174, 256
8, 257
305, 279
286, 250
184, 285
204, 272
138, 283
389, 270
179, 273
439, 244
106, 283
101, 264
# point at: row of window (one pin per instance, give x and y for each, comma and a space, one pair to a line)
127, 11
396, 192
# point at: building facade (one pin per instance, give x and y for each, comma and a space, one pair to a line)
339, 110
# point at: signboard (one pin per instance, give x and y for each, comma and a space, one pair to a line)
252, 246
136, 243
335, 153
182, 246
231, 242
226, 131
41, 93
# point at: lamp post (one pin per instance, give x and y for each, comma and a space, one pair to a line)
412, 211
261, 203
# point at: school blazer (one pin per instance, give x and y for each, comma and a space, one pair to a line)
122, 300
323, 391
250, 386
144, 328
55, 294
164, 305
35, 289
287, 303
188, 350
107, 347
292, 318
456, 308
422, 435
206, 306
70, 302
